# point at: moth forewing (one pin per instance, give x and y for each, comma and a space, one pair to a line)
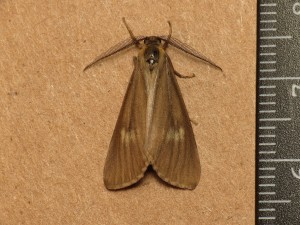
126, 160
173, 146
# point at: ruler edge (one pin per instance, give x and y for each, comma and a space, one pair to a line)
256, 113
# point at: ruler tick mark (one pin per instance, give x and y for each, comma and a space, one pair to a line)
266, 185
279, 160
267, 111
267, 86
267, 193
266, 209
267, 218
268, 13
268, 53
267, 62
267, 152
268, 29
267, 95
275, 119
268, 21
266, 144
267, 168
269, 4
267, 177
267, 103
275, 37
274, 201
267, 135
267, 128
279, 78
267, 70
267, 46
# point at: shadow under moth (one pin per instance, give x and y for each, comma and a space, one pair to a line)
153, 127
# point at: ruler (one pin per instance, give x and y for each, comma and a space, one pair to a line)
278, 113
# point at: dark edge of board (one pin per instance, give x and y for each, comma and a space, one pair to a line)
256, 112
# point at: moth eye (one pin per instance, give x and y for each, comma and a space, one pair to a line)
146, 40
155, 53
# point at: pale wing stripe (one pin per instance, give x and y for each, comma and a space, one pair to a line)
124, 150
175, 153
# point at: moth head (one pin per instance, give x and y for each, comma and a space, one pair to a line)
151, 53
152, 40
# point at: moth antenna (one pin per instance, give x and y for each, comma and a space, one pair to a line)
169, 36
136, 42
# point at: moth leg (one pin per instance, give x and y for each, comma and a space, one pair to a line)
136, 42
182, 76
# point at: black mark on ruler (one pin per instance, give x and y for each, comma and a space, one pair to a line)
278, 113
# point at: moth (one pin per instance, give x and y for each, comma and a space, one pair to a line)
153, 127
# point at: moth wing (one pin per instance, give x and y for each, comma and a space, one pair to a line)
174, 150
126, 161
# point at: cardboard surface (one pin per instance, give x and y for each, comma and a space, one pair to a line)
56, 121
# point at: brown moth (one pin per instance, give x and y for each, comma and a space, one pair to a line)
153, 127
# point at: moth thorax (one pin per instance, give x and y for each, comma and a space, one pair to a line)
151, 56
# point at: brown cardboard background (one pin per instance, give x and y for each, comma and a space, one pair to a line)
56, 121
